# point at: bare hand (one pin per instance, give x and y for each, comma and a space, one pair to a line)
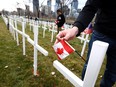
67, 35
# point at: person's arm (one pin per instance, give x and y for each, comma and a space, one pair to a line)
86, 15
84, 18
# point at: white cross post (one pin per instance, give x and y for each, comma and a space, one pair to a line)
23, 37
53, 31
10, 27
82, 35
17, 38
94, 64
14, 33
44, 28
84, 45
36, 48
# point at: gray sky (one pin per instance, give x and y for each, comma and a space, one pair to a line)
11, 5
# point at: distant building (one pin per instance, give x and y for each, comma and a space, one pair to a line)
27, 11
46, 10
74, 4
36, 8
4, 12
14, 13
66, 10
21, 12
74, 9
57, 5
49, 3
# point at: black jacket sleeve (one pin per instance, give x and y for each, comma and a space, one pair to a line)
87, 14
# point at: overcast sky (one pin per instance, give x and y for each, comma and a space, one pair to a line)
11, 5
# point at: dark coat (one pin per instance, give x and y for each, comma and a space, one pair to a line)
60, 20
105, 21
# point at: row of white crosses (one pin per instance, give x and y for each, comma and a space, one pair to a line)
94, 64
95, 61
51, 26
53, 29
15, 31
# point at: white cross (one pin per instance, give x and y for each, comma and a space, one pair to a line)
36, 47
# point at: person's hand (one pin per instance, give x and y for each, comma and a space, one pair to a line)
56, 21
67, 35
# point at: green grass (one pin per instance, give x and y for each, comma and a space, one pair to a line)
19, 72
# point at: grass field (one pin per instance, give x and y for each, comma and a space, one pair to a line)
16, 70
